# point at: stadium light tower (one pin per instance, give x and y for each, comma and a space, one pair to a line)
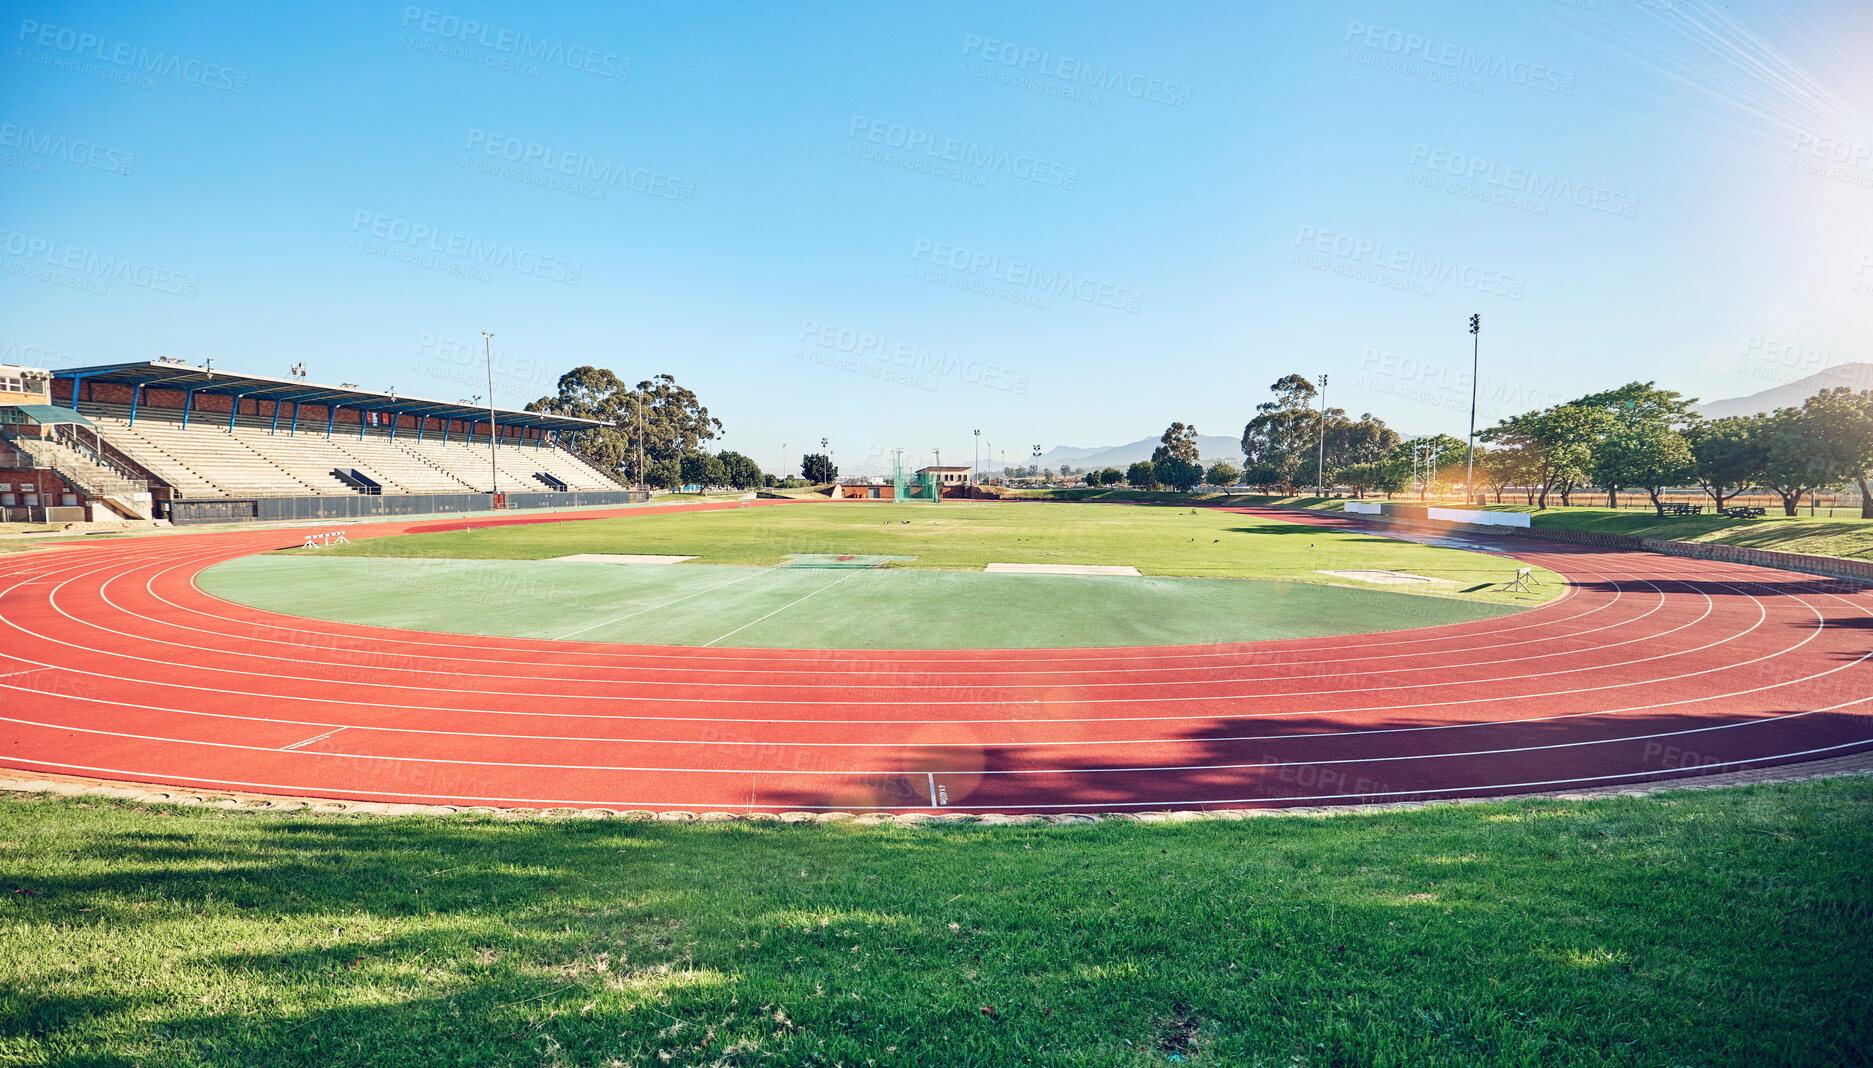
976, 464
1469, 474
494, 471
1320, 465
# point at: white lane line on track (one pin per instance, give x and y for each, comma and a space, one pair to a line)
1762, 614
886, 772
632, 615
1708, 608
1748, 760
173, 643
783, 608
691, 683
1786, 682
309, 741
1195, 803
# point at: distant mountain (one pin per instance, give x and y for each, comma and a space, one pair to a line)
1210, 448
1852, 375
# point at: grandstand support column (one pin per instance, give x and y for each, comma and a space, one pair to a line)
395, 418
361, 422
294, 432
136, 394
421, 422
275, 428
188, 404
234, 410
331, 413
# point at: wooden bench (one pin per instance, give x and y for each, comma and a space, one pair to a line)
1681, 509
1744, 512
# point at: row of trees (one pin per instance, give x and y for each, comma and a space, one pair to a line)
1636, 437
1640, 437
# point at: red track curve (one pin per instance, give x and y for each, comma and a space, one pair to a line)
1650, 667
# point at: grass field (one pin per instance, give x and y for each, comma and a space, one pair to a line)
931, 594
1158, 540
1704, 928
813, 607
1820, 536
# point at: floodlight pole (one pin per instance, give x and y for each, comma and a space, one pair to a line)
1469, 474
643, 479
494, 470
1320, 465
975, 464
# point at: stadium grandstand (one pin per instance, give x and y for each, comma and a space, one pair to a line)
164, 439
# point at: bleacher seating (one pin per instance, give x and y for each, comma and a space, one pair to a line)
208, 458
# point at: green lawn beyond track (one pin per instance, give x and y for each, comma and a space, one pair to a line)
940, 599
1704, 928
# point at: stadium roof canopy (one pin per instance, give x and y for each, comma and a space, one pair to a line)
166, 374
48, 415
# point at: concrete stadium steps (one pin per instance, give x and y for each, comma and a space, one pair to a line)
395, 467
517, 464
208, 458
232, 466
152, 455
306, 455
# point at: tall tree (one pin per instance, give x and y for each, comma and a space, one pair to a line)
1179, 474
701, 470
817, 468
1636, 438
1789, 469
739, 471
1361, 477
1283, 431
1559, 441
1839, 426
1222, 473
666, 418
1648, 455
1504, 466
1179, 442
1364, 440
1142, 475
1729, 455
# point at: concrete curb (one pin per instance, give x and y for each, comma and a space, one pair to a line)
74, 787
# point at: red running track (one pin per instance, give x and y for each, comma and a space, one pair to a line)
1649, 667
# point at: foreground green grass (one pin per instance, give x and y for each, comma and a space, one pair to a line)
1160, 540
1706, 928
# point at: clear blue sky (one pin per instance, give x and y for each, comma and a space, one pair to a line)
889, 226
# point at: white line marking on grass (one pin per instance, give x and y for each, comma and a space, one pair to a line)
789, 604
666, 604
309, 741
1061, 569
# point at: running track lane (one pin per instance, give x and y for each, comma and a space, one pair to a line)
113, 664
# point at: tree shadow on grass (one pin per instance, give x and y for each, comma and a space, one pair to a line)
300, 940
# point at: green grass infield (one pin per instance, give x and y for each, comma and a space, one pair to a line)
927, 590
